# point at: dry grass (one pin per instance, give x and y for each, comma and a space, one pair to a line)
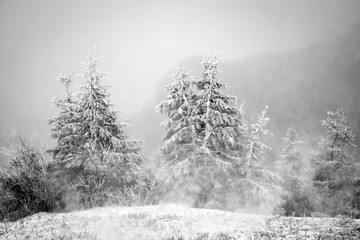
174, 222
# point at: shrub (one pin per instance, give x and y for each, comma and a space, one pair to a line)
148, 190
27, 187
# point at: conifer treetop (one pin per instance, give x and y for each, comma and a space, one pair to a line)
179, 93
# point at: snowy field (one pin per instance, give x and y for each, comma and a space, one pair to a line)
175, 222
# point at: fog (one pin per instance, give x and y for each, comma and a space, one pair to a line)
141, 41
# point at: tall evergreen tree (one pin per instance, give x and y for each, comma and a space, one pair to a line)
211, 148
254, 185
101, 129
181, 144
216, 115
91, 141
201, 132
203, 135
179, 141
256, 149
291, 167
64, 124
337, 171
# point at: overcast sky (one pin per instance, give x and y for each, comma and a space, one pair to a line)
141, 41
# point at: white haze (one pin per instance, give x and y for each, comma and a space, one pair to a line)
141, 41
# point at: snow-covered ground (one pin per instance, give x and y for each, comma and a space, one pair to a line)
174, 222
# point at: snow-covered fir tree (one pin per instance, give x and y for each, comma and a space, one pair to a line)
216, 114
64, 124
181, 145
214, 154
253, 184
179, 141
256, 149
101, 125
290, 164
337, 171
217, 120
91, 140
292, 168
201, 138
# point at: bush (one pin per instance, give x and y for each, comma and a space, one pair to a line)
35, 184
152, 186
301, 200
28, 187
297, 206
148, 190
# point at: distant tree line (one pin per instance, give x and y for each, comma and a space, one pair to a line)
212, 156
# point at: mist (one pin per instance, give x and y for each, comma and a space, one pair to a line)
141, 42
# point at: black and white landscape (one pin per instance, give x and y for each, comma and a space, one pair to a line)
179, 119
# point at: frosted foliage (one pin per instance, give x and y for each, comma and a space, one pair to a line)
180, 138
216, 113
254, 147
65, 80
254, 185
337, 171
87, 130
213, 153
290, 164
63, 123
200, 142
201, 118
339, 139
339, 135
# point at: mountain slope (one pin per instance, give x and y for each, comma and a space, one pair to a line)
299, 86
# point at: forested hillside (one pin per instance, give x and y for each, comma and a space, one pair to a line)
299, 86
229, 120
